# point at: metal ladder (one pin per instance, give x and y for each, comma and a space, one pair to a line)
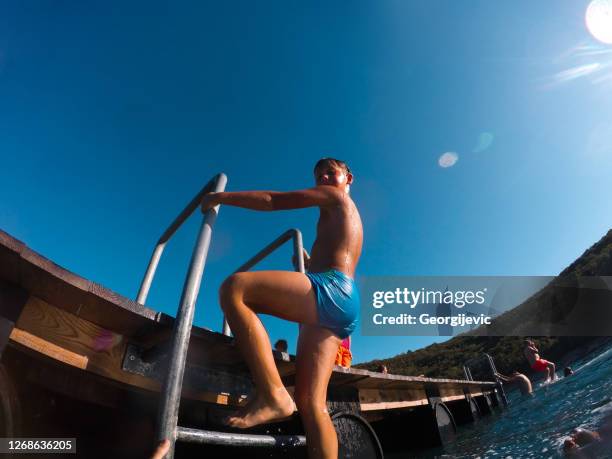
167, 420
491, 363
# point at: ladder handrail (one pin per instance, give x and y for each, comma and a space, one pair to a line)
170, 396
217, 183
500, 386
298, 246
491, 362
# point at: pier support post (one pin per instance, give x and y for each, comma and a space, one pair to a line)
12, 301
10, 408
464, 411
485, 405
442, 417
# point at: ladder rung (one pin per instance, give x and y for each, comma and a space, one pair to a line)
237, 439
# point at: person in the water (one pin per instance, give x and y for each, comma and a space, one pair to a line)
578, 438
532, 354
520, 380
325, 301
567, 371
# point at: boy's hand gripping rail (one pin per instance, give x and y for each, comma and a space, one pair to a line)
216, 184
298, 253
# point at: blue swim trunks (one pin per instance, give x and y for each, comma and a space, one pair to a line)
337, 301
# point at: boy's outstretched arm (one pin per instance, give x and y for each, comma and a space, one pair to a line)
318, 196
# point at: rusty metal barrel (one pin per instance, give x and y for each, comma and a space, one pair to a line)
445, 423
356, 438
464, 411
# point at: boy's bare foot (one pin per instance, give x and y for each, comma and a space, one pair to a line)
262, 411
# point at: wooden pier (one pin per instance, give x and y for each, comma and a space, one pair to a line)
78, 360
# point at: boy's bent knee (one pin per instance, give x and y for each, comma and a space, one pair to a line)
230, 287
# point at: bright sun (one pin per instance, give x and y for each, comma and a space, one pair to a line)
599, 20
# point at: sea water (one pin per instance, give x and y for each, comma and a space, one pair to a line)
535, 427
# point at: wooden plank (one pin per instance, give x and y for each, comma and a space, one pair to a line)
12, 244
82, 344
449, 391
95, 303
374, 399
452, 398
57, 285
475, 391
49, 349
381, 378
380, 406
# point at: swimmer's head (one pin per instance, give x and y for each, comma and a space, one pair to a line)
584, 436
331, 171
567, 371
569, 445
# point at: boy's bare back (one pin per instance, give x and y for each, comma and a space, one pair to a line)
339, 237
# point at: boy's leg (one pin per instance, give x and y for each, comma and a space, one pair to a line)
284, 294
317, 349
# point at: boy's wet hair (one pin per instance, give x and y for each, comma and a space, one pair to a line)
334, 162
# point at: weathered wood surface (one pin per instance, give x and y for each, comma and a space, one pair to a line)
88, 327
58, 286
10, 406
12, 300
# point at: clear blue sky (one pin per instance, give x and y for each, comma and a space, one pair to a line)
113, 115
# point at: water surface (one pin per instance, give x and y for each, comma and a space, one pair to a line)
535, 427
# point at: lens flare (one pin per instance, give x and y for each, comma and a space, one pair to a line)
485, 140
448, 159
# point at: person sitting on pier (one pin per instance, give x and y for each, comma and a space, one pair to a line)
325, 301
344, 358
532, 354
520, 379
281, 345
382, 369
